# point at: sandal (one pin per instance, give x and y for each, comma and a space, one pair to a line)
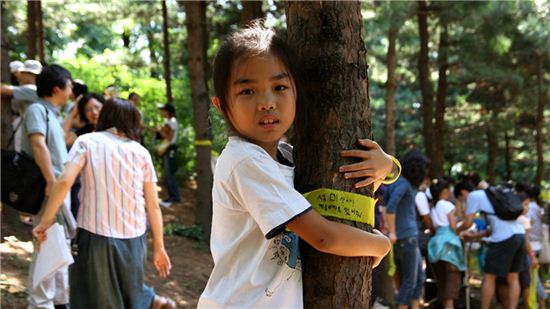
161, 302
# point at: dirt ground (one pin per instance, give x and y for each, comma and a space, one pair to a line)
191, 264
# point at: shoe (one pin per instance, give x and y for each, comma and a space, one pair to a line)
161, 302
167, 203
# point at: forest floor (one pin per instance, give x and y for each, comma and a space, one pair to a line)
191, 261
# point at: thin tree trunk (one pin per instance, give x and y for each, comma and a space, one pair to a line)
197, 43
40, 28
440, 104
5, 110
424, 79
391, 87
32, 30
331, 55
492, 147
166, 47
251, 10
508, 156
539, 137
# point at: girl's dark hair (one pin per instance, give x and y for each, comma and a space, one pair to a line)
463, 185
122, 115
253, 40
415, 167
82, 104
438, 185
50, 77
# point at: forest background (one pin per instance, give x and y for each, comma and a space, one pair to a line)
465, 82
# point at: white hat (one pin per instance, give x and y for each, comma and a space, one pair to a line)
15, 66
31, 66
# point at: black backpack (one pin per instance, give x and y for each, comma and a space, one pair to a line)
506, 203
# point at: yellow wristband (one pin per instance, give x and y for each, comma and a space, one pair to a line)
393, 175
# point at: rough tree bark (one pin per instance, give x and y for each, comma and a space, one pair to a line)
32, 29
6, 129
492, 145
439, 127
336, 113
424, 79
391, 87
40, 28
166, 47
251, 10
508, 156
196, 43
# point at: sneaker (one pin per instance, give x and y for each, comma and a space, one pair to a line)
167, 203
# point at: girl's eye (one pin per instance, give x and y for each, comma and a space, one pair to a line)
246, 92
281, 88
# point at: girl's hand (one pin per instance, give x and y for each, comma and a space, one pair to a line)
162, 262
39, 233
375, 164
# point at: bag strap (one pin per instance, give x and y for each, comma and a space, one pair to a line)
12, 137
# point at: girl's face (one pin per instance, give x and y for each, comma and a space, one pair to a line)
261, 100
92, 109
445, 194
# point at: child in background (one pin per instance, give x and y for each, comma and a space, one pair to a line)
118, 195
257, 214
445, 248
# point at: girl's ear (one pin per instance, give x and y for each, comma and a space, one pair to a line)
216, 102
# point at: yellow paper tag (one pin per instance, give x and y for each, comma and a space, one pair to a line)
342, 205
203, 142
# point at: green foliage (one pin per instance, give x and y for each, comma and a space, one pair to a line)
194, 232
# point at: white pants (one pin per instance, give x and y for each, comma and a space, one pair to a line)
55, 290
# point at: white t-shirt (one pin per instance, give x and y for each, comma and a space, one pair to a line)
500, 229
440, 213
173, 124
422, 204
256, 263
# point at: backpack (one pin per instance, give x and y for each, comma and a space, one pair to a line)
506, 203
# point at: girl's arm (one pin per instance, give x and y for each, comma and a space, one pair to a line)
160, 257
337, 238
452, 219
58, 192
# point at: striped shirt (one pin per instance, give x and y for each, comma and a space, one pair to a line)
114, 170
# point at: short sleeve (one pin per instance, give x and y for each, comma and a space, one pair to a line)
24, 93
149, 174
448, 207
78, 152
260, 186
422, 205
35, 119
473, 203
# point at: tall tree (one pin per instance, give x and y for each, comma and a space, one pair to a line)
5, 109
438, 158
335, 114
252, 9
539, 137
196, 44
166, 48
424, 79
35, 31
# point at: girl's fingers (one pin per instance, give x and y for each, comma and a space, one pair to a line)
354, 167
364, 183
355, 153
359, 174
368, 143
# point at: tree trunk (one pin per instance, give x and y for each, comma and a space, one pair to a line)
197, 43
424, 79
539, 137
492, 147
336, 114
391, 87
251, 10
5, 110
439, 127
166, 47
32, 29
508, 154
40, 28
